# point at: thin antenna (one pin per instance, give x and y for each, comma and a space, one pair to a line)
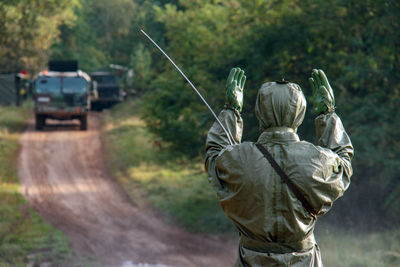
193, 87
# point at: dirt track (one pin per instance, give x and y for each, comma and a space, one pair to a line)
63, 176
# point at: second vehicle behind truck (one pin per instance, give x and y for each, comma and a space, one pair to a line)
106, 91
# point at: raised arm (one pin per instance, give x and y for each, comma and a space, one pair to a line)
230, 118
331, 135
329, 128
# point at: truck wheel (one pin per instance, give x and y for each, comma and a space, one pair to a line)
83, 123
40, 122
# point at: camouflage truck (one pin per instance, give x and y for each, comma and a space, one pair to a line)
106, 91
62, 93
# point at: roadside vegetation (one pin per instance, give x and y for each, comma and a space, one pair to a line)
173, 184
24, 236
177, 187
351, 247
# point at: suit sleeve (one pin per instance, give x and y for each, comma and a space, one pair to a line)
217, 141
332, 135
337, 167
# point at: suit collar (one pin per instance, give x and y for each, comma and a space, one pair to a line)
278, 135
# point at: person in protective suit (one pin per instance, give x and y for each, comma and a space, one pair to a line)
275, 225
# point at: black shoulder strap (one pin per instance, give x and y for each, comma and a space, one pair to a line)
287, 180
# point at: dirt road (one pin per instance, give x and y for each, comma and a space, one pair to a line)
63, 176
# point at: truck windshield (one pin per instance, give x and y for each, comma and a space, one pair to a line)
75, 85
104, 79
47, 85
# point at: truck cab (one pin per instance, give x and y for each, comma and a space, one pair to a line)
106, 91
61, 95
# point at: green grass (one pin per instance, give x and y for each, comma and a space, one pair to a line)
174, 185
354, 248
178, 187
24, 236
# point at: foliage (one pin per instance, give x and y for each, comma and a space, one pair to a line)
355, 42
356, 248
141, 64
98, 36
27, 30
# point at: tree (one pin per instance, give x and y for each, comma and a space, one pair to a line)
355, 42
27, 30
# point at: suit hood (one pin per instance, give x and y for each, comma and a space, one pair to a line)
280, 105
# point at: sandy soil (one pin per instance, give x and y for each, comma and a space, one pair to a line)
63, 176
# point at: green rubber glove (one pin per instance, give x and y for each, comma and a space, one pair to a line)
234, 89
323, 98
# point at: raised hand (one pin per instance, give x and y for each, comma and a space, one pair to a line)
322, 98
234, 89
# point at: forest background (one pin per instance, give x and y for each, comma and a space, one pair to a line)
356, 43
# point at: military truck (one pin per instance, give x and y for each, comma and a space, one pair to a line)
62, 93
106, 91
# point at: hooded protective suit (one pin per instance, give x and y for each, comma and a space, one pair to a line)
275, 229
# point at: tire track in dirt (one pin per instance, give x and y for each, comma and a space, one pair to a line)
63, 176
